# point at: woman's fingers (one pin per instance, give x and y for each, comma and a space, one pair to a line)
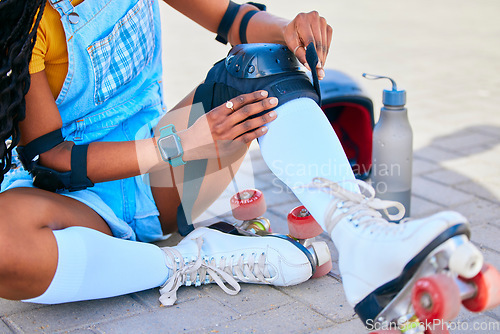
250, 110
231, 120
249, 136
309, 28
252, 125
242, 100
316, 29
329, 36
298, 35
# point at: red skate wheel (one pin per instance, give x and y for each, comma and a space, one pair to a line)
302, 225
248, 204
323, 269
487, 284
436, 297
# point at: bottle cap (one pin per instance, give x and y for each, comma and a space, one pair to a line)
392, 97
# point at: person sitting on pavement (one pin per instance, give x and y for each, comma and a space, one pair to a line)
82, 121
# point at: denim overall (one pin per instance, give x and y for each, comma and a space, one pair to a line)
113, 88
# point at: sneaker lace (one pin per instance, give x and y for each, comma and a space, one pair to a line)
362, 210
205, 270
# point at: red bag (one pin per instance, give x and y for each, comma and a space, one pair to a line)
350, 112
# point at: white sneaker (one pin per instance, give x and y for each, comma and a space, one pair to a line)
206, 255
377, 258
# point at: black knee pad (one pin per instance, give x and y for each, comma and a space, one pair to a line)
252, 67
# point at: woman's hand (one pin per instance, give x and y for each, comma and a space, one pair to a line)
228, 128
309, 28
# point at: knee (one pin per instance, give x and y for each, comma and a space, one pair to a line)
271, 67
18, 213
12, 230
26, 217
23, 227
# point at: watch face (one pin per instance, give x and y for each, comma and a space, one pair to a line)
169, 147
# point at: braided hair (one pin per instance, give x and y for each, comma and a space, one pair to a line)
19, 21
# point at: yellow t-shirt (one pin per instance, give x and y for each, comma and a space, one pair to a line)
50, 52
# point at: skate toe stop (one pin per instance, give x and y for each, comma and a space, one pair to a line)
322, 252
466, 260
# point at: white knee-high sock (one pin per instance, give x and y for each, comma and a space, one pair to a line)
300, 145
94, 265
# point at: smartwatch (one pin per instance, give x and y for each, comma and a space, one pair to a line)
170, 146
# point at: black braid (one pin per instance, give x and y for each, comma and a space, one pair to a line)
17, 37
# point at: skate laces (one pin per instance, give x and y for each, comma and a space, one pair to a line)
205, 270
360, 209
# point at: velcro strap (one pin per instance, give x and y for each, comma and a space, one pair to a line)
49, 179
312, 60
244, 24
246, 18
286, 90
288, 86
38, 146
79, 179
226, 22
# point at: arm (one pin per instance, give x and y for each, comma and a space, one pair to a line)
42, 116
218, 133
208, 14
264, 27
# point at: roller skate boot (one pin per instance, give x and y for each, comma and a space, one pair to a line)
208, 255
403, 277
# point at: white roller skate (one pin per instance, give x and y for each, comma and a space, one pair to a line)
400, 276
208, 255
249, 206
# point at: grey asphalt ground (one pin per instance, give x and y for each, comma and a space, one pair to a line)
446, 54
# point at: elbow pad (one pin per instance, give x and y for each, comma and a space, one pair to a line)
48, 178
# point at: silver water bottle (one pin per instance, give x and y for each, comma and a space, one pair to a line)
392, 148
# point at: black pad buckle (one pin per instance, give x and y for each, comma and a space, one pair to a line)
29, 153
312, 60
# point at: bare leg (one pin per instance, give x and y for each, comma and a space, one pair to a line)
27, 244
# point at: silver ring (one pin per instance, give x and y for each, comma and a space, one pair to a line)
230, 105
295, 50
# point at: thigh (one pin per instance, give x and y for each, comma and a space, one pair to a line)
27, 244
36, 208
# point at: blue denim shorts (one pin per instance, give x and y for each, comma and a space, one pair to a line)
132, 220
